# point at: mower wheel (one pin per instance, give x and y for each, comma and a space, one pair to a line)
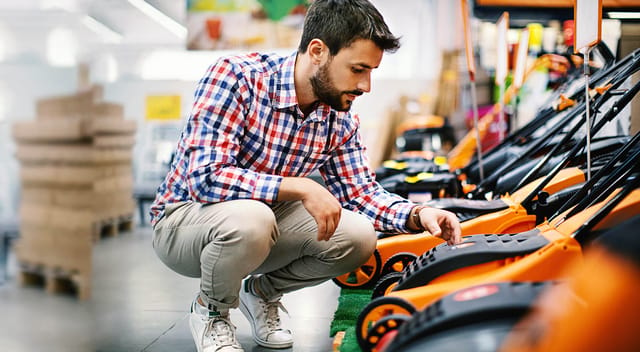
386, 284
376, 310
398, 262
365, 276
383, 331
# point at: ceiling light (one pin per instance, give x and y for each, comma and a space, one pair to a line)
67, 5
62, 47
102, 30
169, 23
624, 15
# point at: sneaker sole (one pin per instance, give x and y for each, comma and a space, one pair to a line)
195, 337
256, 339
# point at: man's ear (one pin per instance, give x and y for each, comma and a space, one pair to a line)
318, 51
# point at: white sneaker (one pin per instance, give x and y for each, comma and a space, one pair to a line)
211, 331
265, 320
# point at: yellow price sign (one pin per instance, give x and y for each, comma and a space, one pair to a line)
163, 107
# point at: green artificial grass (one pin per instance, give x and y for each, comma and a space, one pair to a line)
350, 343
350, 304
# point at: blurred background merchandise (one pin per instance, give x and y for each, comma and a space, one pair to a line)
93, 97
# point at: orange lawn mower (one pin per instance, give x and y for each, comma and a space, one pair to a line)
464, 318
509, 214
518, 212
544, 207
601, 291
504, 215
558, 315
536, 255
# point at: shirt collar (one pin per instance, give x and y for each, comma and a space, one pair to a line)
285, 94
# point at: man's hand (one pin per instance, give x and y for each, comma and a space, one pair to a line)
318, 201
441, 223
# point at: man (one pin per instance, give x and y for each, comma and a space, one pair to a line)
236, 209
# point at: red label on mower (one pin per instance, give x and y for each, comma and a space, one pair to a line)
475, 293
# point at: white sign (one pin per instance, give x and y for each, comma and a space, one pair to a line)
502, 59
468, 44
588, 21
521, 59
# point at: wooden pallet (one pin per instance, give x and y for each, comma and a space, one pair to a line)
55, 280
111, 227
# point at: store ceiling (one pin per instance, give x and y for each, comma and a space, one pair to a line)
109, 21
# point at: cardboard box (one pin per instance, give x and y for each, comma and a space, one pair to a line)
77, 105
71, 175
66, 129
71, 154
107, 110
114, 141
63, 219
111, 125
77, 198
55, 249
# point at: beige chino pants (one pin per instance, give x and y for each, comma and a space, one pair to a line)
222, 243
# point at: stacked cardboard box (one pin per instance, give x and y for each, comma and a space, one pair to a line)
76, 176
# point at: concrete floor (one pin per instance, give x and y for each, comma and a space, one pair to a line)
138, 304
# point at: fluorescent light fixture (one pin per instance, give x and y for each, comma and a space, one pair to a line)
67, 5
160, 65
169, 23
99, 28
624, 15
62, 47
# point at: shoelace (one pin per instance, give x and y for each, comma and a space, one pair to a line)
270, 310
221, 330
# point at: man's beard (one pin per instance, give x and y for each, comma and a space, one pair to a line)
324, 89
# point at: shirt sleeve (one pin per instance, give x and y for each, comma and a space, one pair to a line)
212, 138
348, 175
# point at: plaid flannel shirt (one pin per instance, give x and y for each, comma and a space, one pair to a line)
246, 132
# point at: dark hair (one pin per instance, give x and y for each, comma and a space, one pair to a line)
338, 23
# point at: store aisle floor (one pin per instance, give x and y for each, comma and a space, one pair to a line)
138, 305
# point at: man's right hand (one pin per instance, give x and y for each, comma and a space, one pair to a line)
318, 201
442, 223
